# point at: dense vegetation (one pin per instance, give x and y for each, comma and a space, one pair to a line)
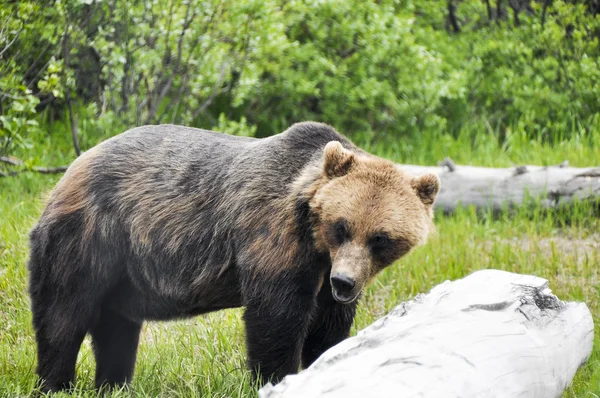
487, 82
385, 70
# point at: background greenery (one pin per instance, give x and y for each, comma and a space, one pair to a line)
486, 82
384, 71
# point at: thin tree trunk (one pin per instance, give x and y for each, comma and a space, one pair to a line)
73, 120
544, 10
499, 12
452, 16
515, 8
490, 13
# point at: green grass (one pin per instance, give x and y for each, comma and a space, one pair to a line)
204, 356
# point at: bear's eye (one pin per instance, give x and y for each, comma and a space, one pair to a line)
341, 232
380, 241
386, 250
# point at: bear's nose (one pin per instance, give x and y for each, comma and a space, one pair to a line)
342, 283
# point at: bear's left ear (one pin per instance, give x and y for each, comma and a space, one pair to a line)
337, 160
426, 186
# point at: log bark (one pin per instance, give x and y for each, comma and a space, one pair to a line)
497, 188
491, 334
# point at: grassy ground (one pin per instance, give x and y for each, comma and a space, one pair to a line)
204, 356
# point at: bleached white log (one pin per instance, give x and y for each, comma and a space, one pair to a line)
492, 334
495, 188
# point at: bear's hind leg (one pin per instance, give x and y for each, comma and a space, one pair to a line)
61, 319
56, 358
115, 340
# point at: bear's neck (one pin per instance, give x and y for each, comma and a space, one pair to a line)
309, 181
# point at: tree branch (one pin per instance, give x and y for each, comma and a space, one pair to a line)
49, 170
72, 118
177, 67
9, 45
10, 96
41, 170
213, 94
12, 161
73, 121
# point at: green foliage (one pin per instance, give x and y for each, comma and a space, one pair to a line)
232, 127
378, 71
169, 62
357, 66
17, 104
541, 80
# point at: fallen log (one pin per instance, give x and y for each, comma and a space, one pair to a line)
481, 187
498, 188
491, 334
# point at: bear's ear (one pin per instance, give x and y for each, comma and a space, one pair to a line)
426, 186
337, 160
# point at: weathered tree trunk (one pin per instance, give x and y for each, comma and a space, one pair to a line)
494, 188
491, 334
482, 187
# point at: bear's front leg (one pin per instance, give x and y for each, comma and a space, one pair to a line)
330, 325
277, 321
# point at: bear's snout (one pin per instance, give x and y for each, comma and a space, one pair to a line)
343, 288
350, 270
343, 283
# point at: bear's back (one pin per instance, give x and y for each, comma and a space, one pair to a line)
172, 148
187, 158
151, 175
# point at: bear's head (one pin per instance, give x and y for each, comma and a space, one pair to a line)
368, 214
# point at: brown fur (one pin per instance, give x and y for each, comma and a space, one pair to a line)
71, 194
275, 244
68, 196
374, 196
167, 221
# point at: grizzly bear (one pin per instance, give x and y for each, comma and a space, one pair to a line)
164, 222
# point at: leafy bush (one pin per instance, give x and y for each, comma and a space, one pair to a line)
378, 71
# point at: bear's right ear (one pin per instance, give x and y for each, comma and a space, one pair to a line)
426, 187
337, 160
